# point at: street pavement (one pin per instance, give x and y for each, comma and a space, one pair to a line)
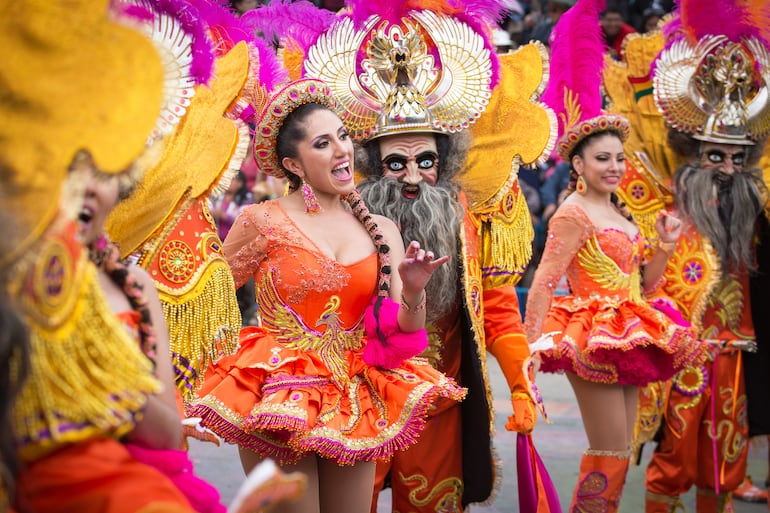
560, 444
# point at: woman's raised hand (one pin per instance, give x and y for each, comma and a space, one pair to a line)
668, 226
417, 267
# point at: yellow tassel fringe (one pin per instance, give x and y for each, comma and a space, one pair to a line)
204, 327
88, 377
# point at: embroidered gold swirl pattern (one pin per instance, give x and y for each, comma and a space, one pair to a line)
605, 272
728, 303
733, 441
450, 489
691, 273
289, 328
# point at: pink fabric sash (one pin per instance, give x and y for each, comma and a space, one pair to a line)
536, 491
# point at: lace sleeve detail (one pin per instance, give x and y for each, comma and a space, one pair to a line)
246, 244
568, 230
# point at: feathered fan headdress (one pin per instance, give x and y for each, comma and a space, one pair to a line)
711, 79
395, 66
574, 89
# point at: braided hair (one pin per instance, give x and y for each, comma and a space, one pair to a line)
383, 254
105, 254
291, 131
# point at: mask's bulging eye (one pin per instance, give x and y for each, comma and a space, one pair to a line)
715, 156
395, 163
718, 157
427, 160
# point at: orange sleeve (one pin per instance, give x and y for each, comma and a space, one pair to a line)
245, 245
568, 230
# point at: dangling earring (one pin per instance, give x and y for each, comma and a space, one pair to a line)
580, 185
311, 202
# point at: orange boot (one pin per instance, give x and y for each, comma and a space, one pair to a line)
602, 476
706, 501
657, 503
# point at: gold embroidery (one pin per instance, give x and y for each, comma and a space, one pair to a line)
290, 329
605, 272
691, 274
450, 490
435, 344
733, 441
728, 303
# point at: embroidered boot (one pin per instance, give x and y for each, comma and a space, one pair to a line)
600, 485
657, 503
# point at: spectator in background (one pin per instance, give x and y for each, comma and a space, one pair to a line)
537, 27
615, 30
650, 18
241, 6
638, 8
502, 41
268, 187
226, 208
553, 188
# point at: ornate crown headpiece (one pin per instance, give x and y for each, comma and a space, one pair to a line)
402, 66
711, 79
574, 90
280, 105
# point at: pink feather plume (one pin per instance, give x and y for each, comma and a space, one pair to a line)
734, 19
228, 30
577, 59
300, 21
389, 10
192, 24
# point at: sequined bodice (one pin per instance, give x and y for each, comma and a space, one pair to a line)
607, 265
300, 290
600, 265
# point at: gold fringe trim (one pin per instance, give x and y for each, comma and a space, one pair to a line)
204, 327
509, 242
88, 377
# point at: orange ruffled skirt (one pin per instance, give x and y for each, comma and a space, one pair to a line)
285, 404
627, 343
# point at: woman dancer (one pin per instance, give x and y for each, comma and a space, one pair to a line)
608, 339
157, 438
313, 387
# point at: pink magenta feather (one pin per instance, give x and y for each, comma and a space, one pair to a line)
192, 24
223, 24
735, 19
389, 10
300, 21
202, 51
393, 346
577, 59
230, 30
700, 18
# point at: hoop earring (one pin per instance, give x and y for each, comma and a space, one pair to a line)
580, 185
311, 202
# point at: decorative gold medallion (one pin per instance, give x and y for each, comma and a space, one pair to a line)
176, 261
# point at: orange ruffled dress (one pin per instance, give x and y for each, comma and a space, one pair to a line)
298, 384
604, 331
